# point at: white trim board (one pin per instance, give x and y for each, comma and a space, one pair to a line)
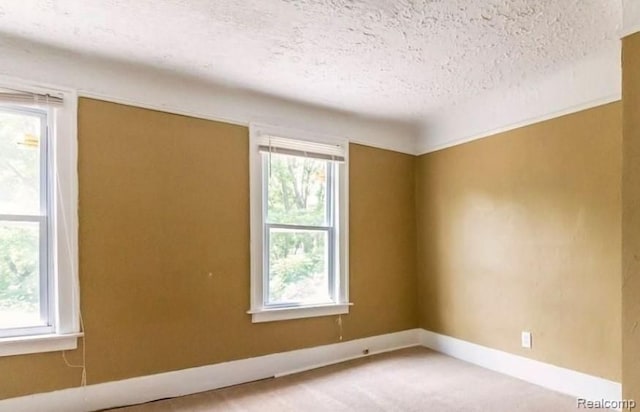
570, 382
384, 138
528, 122
165, 90
628, 31
630, 17
595, 78
593, 81
194, 380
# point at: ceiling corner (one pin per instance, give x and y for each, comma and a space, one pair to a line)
590, 82
630, 17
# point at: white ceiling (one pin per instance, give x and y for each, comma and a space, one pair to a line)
399, 59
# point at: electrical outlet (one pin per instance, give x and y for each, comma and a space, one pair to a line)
526, 340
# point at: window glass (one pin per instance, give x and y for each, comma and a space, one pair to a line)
297, 190
24, 292
298, 228
19, 163
19, 274
298, 266
299, 231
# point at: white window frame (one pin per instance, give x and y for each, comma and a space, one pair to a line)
259, 311
42, 219
62, 227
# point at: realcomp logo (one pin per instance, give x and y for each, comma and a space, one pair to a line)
624, 404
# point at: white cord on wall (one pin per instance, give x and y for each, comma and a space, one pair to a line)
76, 291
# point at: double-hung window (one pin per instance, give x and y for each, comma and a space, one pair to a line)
38, 243
25, 284
298, 225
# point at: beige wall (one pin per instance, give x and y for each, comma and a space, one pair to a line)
631, 217
518, 231
164, 201
521, 231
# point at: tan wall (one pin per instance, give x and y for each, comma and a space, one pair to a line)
163, 203
521, 231
631, 217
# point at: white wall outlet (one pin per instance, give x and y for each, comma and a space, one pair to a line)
526, 340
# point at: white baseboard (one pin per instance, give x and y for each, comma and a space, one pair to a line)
552, 377
204, 378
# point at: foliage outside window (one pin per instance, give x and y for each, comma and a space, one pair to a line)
299, 230
298, 226
39, 297
24, 268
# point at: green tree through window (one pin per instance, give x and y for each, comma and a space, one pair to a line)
19, 240
298, 256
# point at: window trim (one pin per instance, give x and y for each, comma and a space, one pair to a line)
258, 311
41, 218
62, 227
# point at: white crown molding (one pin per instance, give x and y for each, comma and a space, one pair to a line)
580, 385
591, 82
527, 122
194, 380
165, 90
628, 31
630, 17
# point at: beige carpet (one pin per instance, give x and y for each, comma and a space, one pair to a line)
414, 379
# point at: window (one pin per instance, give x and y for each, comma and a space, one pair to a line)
38, 235
298, 225
25, 281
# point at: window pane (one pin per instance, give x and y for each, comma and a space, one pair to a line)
297, 190
19, 163
298, 263
19, 274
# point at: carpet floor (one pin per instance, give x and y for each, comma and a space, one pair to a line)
415, 379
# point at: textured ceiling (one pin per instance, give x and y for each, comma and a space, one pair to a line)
398, 59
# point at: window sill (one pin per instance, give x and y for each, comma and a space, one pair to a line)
22, 345
271, 315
